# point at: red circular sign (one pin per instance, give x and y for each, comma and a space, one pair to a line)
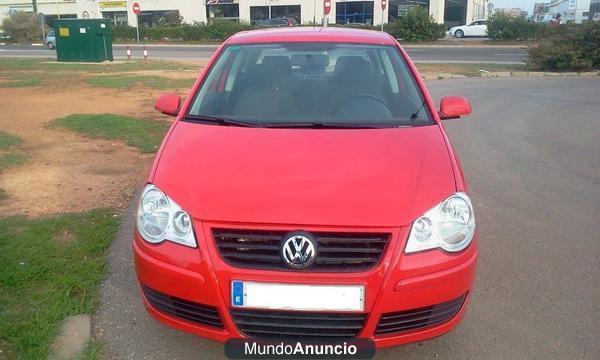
326, 7
383, 4
136, 8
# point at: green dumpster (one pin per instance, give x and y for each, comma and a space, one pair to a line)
83, 40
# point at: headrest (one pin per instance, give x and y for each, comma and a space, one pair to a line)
353, 69
279, 65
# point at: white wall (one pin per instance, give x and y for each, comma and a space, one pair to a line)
571, 10
195, 10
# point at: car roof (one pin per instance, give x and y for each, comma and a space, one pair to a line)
312, 34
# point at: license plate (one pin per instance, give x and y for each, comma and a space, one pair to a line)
297, 296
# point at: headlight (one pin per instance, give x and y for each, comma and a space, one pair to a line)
450, 225
161, 219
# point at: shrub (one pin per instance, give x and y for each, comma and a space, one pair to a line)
123, 33
568, 47
214, 31
417, 25
503, 27
22, 27
222, 29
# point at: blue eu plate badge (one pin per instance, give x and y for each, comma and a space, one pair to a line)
237, 293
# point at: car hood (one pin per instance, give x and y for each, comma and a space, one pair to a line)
343, 177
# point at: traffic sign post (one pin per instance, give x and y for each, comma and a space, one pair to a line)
326, 11
42, 23
383, 5
137, 10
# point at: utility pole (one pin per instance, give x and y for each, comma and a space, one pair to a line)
34, 5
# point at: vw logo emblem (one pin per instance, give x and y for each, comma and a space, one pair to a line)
299, 250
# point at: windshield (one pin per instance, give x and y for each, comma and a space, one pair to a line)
316, 83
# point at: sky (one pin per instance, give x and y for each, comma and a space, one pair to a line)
523, 4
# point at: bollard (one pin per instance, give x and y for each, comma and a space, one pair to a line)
145, 55
128, 53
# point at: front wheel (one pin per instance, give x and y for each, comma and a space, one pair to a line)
50, 45
458, 34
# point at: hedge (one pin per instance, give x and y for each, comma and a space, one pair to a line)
504, 27
22, 27
568, 47
214, 31
417, 25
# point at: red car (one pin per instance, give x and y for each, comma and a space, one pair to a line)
307, 189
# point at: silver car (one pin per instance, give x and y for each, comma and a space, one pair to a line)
51, 40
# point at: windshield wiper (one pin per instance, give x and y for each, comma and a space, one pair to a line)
415, 115
319, 125
206, 119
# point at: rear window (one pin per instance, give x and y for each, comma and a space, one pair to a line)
312, 82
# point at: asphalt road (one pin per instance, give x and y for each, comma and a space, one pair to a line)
531, 154
432, 54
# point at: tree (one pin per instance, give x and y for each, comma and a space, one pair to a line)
22, 26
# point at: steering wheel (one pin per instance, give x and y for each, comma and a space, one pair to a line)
353, 98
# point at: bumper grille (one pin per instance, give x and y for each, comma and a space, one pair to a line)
339, 252
285, 324
187, 310
418, 318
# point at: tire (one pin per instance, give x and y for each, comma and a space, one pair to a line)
459, 34
50, 45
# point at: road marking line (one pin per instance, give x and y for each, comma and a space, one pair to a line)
509, 54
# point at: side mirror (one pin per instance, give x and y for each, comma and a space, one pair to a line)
168, 104
454, 107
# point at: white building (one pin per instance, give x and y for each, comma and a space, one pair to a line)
570, 10
451, 12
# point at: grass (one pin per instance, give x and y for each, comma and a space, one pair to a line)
12, 158
24, 81
125, 82
51, 268
9, 155
146, 135
19, 64
7, 141
468, 69
93, 351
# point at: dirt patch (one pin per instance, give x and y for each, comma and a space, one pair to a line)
170, 74
65, 237
67, 172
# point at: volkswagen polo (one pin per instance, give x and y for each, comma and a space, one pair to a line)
307, 188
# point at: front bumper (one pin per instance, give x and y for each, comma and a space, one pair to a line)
396, 284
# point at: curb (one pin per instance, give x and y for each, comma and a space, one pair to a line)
72, 339
484, 46
514, 74
212, 46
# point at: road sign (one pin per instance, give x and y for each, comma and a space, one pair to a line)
136, 8
326, 7
383, 4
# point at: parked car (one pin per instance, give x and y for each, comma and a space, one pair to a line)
307, 187
4, 36
476, 28
51, 40
279, 22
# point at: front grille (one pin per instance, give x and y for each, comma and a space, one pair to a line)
297, 324
418, 318
340, 252
187, 310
